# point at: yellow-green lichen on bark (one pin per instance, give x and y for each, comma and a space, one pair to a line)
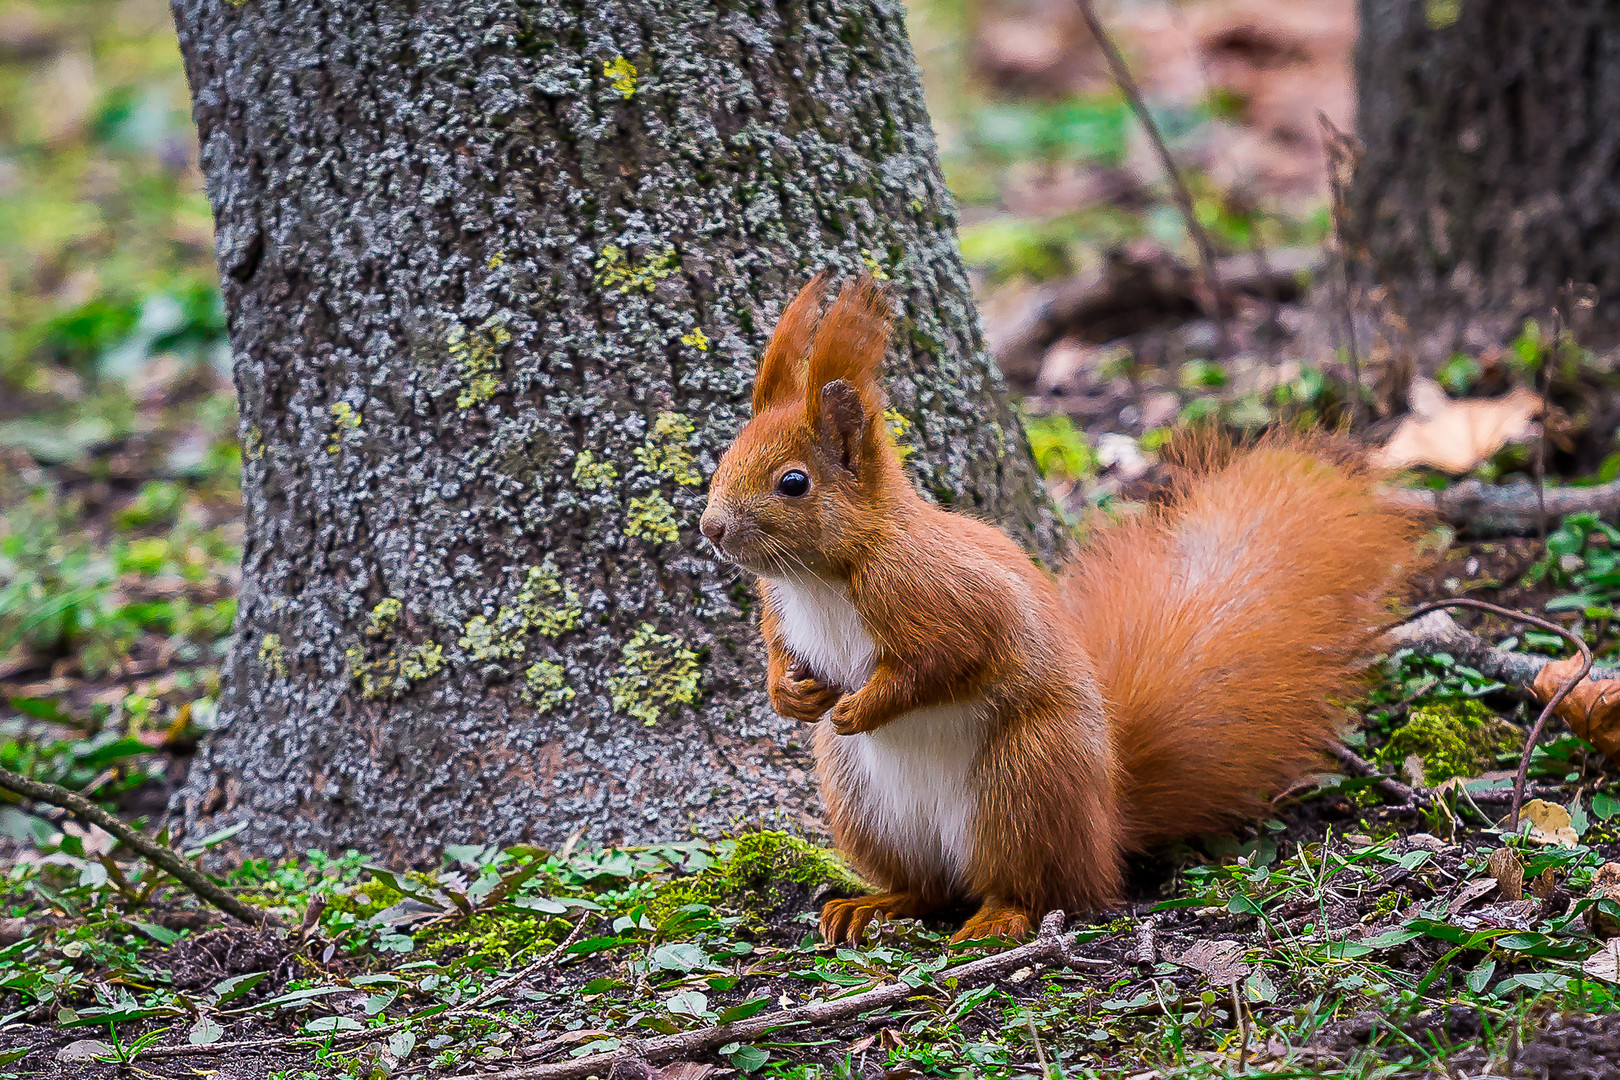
345, 419
656, 673
617, 272
383, 617
494, 641
273, 655
652, 518
253, 443
697, 339
545, 686
476, 356
666, 451
623, 74
591, 474
396, 671
898, 428
537, 602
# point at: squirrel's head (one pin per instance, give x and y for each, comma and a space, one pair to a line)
803, 485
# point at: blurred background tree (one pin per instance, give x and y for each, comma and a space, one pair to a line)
1492, 167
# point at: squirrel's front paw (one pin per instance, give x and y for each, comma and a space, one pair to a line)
848, 719
803, 699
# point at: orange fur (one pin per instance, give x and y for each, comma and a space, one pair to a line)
1181, 671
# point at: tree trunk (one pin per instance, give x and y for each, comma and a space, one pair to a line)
1492, 167
497, 275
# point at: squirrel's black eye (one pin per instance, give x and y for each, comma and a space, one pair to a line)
793, 483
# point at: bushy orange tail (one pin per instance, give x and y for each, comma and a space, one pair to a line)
1229, 626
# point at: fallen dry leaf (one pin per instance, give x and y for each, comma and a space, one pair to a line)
1471, 892
1456, 436
1592, 709
1508, 871
1549, 824
1605, 886
1219, 961
1605, 963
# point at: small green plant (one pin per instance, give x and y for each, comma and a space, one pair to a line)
1583, 555
1061, 450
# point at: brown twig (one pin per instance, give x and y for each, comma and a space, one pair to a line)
1564, 688
1216, 301
470, 1008
163, 857
1340, 152
1050, 946
1390, 786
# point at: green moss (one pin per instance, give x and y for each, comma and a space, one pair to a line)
759, 873
652, 518
623, 74
545, 686
499, 935
344, 420
396, 671
476, 355
383, 617
1453, 737
617, 272
655, 674
666, 450
273, 655
593, 475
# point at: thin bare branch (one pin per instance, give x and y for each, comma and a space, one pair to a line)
163, 857
1215, 303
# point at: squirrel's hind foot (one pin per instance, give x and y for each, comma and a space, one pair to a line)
997, 919
844, 921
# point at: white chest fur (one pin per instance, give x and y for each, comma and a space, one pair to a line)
910, 781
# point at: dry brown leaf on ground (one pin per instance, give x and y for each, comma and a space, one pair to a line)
1505, 867
1592, 709
1550, 824
1219, 961
1605, 886
1456, 436
1605, 963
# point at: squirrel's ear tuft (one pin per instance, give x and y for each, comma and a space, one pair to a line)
849, 346
778, 378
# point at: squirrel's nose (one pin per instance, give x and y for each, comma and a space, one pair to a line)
713, 528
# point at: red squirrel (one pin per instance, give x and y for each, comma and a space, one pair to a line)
992, 734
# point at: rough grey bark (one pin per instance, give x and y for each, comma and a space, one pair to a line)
497, 272
1492, 167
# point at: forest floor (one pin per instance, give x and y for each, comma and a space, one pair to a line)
1347, 935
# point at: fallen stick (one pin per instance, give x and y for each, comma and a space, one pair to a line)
1050, 946
1355, 763
1437, 632
163, 857
1480, 509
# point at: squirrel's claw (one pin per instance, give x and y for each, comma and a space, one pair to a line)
844, 921
996, 919
803, 699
